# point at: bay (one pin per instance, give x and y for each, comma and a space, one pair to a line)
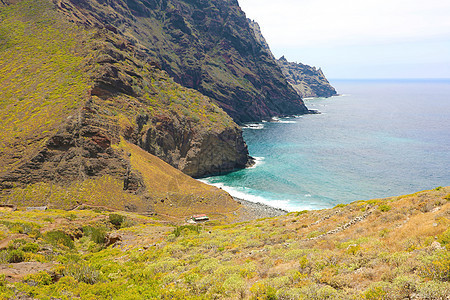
380, 138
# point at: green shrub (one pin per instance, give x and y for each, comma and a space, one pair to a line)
436, 266
116, 220
195, 118
3, 281
18, 227
384, 208
434, 290
96, 234
301, 213
16, 256
444, 238
16, 244
82, 273
71, 217
340, 205
180, 229
314, 234
58, 237
262, 291
30, 247
374, 293
40, 278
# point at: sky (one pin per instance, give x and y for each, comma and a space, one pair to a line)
359, 39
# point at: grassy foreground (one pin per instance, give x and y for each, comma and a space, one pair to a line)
395, 248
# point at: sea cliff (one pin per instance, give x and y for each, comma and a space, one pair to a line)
307, 81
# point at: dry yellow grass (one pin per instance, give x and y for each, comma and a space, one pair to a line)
175, 194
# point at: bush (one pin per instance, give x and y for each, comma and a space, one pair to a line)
16, 256
436, 267
179, 229
3, 281
18, 227
384, 208
96, 234
374, 293
301, 213
16, 244
58, 237
82, 273
30, 247
434, 290
234, 283
40, 278
262, 291
116, 220
444, 238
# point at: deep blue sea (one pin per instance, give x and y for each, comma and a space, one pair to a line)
379, 138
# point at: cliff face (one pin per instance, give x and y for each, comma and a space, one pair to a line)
76, 99
258, 35
306, 80
206, 45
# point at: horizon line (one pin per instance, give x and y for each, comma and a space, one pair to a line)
390, 78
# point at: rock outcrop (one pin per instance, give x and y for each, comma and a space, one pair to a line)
306, 80
259, 36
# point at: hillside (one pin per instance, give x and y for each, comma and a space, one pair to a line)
75, 99
395, 248
306, 80
205, 45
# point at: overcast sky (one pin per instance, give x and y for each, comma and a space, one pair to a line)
359, 39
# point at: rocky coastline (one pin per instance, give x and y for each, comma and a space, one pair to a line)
256, 210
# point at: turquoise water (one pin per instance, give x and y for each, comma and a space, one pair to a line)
379, 139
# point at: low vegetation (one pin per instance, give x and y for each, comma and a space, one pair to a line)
41, 79
358, 251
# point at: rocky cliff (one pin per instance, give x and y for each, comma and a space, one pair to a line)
206, 45
77, 96
306, 80
259, 36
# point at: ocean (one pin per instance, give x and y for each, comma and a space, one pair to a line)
379, 138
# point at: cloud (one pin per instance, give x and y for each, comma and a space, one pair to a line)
287, 23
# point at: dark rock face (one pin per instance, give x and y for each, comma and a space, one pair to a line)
79, 150
175, 138
307, 81
196, 153
203, 44
258, 35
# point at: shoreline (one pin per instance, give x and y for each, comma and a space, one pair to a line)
255, 210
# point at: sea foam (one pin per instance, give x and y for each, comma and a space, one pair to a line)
253, 126
258, 161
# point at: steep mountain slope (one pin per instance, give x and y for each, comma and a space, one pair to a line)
73, 97
203, 44
259, 36
395, 248
307, 81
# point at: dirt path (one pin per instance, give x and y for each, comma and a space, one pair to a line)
16, 272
